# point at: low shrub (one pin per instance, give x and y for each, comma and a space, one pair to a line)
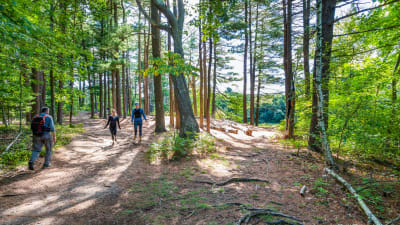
173, 147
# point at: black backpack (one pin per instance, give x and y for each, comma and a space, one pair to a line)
37, 125
137, 113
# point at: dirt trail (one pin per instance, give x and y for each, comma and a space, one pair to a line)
93, 182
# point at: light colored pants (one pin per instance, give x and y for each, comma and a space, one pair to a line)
38, 142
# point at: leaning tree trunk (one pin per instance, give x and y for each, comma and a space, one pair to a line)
188, 123
158, 93
189, 126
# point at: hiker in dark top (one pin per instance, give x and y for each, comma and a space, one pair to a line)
112, 121
42, 125
137, 114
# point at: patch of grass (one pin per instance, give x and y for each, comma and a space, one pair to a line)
172, 147
320, 185
187, 173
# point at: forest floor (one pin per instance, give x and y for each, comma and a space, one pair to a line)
93, 182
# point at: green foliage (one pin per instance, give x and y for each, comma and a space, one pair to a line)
172, 147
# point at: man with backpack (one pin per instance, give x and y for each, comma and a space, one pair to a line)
42, 125
137, 114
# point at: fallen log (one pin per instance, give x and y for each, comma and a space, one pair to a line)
233, 180
367, 211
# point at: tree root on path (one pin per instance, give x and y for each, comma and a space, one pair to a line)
257, 212
253, 212
233, 180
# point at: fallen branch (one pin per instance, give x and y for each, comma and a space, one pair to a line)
371, 216
11, 144
233, 180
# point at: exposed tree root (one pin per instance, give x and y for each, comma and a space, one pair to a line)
280, 222
233, 180
371, 216
395, 220
257, 212
262, 211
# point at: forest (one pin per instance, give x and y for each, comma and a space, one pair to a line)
234, 90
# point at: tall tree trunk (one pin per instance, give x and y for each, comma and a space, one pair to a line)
213, 108
52, 94
117, 72
35, 83
52, 81
60, 103
123, 88
396, 73
251, 67
146, 78
3, 113
105, 95
71, 107
109, 92
209, 82
325, 17
289, 81
91, 94
306, 45
43, 89
139, 67
258, 97
246, 46
201, 74
158, 93
171, 86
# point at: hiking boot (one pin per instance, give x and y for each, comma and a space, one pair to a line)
140, 139
31, 166
134, 138
45, 166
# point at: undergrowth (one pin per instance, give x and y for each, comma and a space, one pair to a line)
173, 147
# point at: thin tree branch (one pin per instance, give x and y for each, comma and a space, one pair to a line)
166, 12
364, 10
365, 31
359, 53
154, 23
